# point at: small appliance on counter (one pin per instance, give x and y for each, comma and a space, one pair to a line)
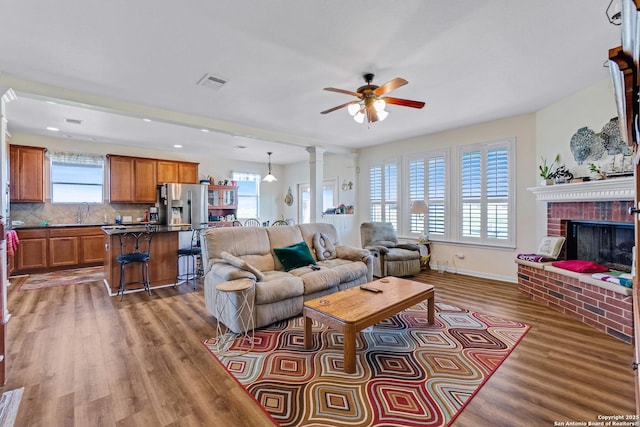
154, 218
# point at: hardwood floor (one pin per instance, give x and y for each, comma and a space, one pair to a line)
87, 359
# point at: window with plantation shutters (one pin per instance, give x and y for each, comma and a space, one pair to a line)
383, 193
426, 181
486, 193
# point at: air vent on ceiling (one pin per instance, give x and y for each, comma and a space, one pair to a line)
73, 121
211, 81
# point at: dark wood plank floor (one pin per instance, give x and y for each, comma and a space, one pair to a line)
87, 359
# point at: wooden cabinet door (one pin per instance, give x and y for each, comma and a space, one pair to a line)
31, 174
230, 198
14, 192
91, 249
145, 180
31, 253
63, 251
188, 173
167, 171
121, 179
26, 174
214, 197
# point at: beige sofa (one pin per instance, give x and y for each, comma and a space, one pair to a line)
239, 253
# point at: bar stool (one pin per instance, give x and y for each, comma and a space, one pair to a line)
135, 248
193, 270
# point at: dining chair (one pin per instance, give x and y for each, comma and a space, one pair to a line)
252, 222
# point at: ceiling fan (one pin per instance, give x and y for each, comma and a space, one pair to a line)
371, 102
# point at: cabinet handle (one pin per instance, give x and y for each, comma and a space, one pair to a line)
634, 366
106, 247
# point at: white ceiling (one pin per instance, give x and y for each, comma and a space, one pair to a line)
470, 61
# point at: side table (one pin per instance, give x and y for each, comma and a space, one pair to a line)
425, 255
236, 297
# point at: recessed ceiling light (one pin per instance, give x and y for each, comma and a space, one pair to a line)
204, 130
52, 129
177, 146
147, 120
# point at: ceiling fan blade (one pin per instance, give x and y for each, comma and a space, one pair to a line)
347, 92
338, 107
372, 115
389, 86
404, 102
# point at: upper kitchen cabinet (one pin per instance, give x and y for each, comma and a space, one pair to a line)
132, 179
26, 173
183, 172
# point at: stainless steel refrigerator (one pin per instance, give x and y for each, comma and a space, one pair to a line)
183, 204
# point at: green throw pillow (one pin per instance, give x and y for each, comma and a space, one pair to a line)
294, 256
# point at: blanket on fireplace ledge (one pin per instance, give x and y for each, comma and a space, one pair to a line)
613, 276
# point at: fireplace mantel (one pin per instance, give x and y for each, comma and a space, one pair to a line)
603, 190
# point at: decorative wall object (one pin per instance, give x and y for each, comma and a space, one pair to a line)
586, 145
613, 142
288, 199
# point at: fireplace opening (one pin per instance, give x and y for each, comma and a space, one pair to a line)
607, 243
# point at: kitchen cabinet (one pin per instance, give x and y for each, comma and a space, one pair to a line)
145, 180
31, 254
26, 174
44, 249
223, 201
132, 179
183, 172
222, 197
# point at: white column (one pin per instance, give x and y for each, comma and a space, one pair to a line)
316, 178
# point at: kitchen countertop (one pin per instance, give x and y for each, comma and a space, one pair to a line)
111, 230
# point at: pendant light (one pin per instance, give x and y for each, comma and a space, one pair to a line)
269, 177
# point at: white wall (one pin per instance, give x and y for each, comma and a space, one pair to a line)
480, 261
592, 107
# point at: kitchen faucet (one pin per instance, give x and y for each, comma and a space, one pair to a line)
80, 216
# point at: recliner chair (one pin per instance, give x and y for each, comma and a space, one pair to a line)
390, 257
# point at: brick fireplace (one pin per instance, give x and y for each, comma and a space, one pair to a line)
603, 305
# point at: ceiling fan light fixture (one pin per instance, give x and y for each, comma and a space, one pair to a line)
359, 116
269, 177
382, 115
353, 108
379, 105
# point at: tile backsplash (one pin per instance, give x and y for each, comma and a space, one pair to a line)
32, 214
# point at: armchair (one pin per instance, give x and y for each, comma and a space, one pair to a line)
390, 257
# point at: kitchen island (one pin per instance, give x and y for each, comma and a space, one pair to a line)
164, 255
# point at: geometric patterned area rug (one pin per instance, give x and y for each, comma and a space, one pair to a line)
408, 373
62, 278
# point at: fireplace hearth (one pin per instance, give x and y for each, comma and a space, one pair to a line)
596, 213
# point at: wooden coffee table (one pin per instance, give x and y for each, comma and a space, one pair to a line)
354, 309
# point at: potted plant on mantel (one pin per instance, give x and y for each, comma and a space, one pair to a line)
546, 170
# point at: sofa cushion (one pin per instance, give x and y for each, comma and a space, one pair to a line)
385, 243
248, 243
278, 286
317, 280
323, 246
242, 264
294, 256
346, 270
397, 254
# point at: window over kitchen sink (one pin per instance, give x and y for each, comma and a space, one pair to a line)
76, 178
